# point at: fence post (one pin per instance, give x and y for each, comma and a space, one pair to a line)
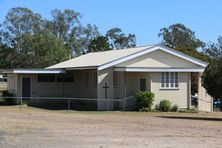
20, 103
68, 104
124, 106
108, 106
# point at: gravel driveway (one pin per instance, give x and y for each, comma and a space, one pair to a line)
45, 129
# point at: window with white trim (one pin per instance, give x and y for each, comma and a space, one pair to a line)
169, 80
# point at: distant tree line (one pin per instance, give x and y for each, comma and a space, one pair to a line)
27, 40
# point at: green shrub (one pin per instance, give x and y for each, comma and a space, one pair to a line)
174, 108
7, 97
165, 106
157, 107
144, 100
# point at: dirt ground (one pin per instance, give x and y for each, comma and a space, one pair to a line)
36, 128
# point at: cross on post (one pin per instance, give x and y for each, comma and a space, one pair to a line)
105, 87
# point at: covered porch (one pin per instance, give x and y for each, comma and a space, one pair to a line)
173, 84
55, 86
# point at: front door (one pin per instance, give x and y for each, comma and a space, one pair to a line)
143, 85
26, 87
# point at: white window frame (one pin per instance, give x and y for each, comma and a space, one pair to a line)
171, 83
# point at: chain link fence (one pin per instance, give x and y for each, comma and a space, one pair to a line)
69, 103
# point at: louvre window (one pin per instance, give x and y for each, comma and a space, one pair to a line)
169, 80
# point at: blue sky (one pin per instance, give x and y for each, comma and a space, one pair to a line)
141, 17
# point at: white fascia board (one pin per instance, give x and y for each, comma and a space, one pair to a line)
82, 68
124, 69
151, 49
127, 58
27, 71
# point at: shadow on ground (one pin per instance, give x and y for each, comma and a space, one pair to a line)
63, 105
192, 118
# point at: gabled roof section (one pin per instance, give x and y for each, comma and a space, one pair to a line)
106, 59
97, 59
152, 49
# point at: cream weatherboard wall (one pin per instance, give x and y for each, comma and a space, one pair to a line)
178, 96
105, 77
12, 83
158, 59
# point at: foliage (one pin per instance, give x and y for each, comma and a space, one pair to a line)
214, 50
175, 108
181, 38
119, 40
165, 106
99, 44
144, 100
41, 50
63, 23
6, 97
29, 41
8, 57
212, 79
81, 37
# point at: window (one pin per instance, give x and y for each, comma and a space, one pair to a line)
46, 78
115, 79
86, 79
69, 77
5, 79
95, 79
169, 80
142, 84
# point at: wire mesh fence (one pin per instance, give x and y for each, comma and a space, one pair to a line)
70, 103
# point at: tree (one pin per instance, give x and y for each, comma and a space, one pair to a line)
119, 40
19, 21
41, 50
179, 36
212, 79
101, 43
214, 50
8, 57
62, 23
212, 76
81, 37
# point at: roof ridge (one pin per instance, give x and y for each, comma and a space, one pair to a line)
124, 48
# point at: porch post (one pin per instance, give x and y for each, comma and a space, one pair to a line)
124, 107
189, 90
